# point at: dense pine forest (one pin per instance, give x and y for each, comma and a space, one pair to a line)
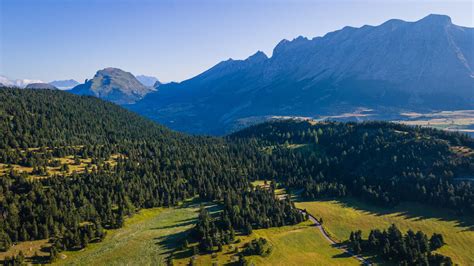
383, 163
156, 167
93, 163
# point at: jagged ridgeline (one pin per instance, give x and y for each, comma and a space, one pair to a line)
73, 165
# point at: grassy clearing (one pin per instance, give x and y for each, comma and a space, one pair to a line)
462, 151
29, 249
146, 239
279, 192
343, 216
299, 147
300, 244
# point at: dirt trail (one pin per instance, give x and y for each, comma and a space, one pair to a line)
334, 243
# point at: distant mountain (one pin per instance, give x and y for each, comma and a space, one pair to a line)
40, 86
114, 85
4, 81
64, 84
20, 83
148, 81
398, 65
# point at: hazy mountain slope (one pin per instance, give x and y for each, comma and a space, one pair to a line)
20, 83
64, 84
395, 66
148, 81
114, 85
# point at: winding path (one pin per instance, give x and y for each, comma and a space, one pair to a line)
334, 243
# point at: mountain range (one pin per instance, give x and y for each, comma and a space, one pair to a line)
371, 72
20, 83
398, 65
38, 84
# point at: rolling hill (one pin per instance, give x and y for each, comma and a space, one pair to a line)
72, 167
47, 135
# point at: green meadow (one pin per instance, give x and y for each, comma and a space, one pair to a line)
146, 239
340, 217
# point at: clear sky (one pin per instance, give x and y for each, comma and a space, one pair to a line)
176, 40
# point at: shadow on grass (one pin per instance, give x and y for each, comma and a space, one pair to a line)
32, 260
342, 255
181, 254
182, 223
407, 210
212, 207
40, 260
170, 242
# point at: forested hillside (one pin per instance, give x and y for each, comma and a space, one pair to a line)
153, 167
71, 166
384, 163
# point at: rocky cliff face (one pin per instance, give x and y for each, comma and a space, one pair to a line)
114, 85
398, 65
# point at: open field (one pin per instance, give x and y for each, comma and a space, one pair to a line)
343, 216
461, 120
300, 244
146, 239
149, 236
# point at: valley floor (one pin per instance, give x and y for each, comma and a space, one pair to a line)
149, 236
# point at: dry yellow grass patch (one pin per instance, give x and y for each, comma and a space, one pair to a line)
29, 248
69, 160
462, 151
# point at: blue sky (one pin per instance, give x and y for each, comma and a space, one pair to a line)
176, 40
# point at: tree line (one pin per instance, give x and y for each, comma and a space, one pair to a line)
403, 249
381, 162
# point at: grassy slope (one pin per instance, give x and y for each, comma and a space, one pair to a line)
146, 239
300, 244
342, 217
